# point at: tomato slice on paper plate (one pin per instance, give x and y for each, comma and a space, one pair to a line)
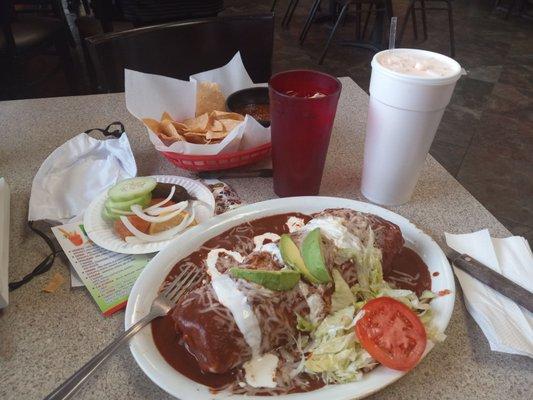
391, 333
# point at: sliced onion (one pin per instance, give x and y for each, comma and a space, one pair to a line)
169, 197
138, 211
203, 203
182, 205
168, 234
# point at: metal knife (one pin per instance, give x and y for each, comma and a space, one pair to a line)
491, 278
259, 173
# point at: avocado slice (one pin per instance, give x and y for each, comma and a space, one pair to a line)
313, 256
280, 281
292, 257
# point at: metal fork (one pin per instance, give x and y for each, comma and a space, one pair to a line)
161, 305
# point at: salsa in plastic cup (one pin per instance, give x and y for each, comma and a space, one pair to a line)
302, 109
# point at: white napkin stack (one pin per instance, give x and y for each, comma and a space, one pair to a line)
507, 326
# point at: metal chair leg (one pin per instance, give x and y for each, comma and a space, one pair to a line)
333, 31
404, 22
292, 12
424, 19
309, 21
289, 12
450, 23
273, 5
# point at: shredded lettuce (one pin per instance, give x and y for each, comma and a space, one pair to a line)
303, 324
369, 271
432, 332
334, 351
342, 296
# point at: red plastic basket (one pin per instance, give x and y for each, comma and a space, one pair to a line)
219, 161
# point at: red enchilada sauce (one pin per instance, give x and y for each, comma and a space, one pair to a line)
408, 271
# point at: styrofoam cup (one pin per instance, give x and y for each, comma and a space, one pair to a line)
404, 113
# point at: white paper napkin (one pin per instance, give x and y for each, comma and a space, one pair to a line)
148, 96
507, 326
74, 173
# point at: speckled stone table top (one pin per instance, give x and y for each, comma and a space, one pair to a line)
46, 337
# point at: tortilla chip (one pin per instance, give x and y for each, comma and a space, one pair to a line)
210, 135
169, 141
152, 124
169, 130
197, 124
181, 128
54, 283
195, 137
229, 124
227, 115
216, 126
165, 116
209, 98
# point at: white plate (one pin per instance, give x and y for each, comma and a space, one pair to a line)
145, 290
102, 233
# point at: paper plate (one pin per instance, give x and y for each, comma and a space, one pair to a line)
102, 233
147, 286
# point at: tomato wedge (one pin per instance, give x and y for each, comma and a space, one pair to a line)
391, 333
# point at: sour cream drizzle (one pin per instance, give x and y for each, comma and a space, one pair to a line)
260, 239
261, 369
334, 229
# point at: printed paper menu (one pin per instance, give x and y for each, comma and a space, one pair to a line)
108, 276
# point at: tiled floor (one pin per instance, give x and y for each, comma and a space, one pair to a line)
486, 136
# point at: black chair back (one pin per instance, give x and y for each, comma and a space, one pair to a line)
6, 17
150, 12
181, 49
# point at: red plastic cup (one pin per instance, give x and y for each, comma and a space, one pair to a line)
302, 109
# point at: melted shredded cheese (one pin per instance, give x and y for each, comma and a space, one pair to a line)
294, 224
232, 298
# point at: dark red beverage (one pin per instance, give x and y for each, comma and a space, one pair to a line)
302, 109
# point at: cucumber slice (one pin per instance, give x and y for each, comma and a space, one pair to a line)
109, 215
143, 201
129, 189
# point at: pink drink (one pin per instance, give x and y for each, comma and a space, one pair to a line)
302, 109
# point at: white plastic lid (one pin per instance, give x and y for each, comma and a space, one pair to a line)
422, 55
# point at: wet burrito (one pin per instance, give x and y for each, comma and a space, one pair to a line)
249, 308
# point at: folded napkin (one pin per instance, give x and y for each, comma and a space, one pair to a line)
507, 326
